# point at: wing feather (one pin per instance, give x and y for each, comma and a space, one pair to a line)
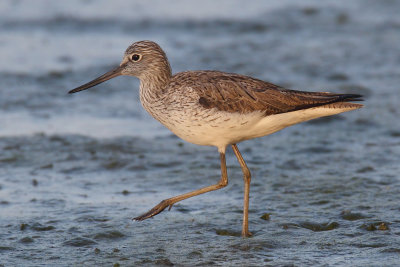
238, 93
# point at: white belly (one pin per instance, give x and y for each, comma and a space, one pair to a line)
217, 128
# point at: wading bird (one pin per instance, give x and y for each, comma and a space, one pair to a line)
218, 109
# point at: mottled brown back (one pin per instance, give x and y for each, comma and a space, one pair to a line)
238, 93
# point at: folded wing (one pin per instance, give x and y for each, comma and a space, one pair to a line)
237, 93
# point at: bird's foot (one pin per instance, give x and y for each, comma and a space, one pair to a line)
154, 211
246, 234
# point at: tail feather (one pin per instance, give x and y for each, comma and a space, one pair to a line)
349, 97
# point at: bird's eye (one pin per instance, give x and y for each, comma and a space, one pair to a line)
135, 57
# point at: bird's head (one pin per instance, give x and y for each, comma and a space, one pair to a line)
144, 60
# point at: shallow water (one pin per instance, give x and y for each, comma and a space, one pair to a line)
75, 169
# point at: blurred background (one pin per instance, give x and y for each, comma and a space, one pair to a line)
74, 169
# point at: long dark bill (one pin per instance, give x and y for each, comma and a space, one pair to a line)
106, 76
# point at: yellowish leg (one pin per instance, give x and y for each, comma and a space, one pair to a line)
247, 179
171, 201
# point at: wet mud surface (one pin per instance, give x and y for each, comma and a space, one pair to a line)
74, 170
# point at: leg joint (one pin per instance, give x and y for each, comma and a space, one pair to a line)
222, 183
246, 174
